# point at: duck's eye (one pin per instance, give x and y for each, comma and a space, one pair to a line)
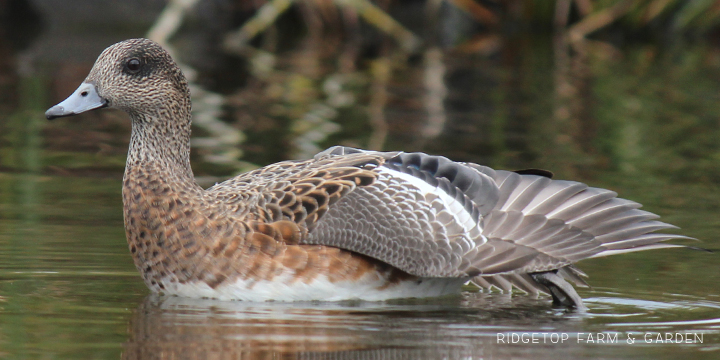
133, 65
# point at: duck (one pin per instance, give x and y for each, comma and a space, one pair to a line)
348, 224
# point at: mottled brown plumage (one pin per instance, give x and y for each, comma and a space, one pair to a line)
348, 223
248, 228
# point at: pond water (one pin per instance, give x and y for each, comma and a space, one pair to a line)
641, 119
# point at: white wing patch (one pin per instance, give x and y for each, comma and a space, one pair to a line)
448, 211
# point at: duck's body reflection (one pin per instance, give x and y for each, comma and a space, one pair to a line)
166, 327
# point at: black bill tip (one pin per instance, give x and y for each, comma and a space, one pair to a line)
56, 112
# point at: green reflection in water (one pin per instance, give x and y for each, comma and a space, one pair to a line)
20, 198
65, 276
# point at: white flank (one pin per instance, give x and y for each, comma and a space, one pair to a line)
283, 288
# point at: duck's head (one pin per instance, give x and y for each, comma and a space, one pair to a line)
137, 76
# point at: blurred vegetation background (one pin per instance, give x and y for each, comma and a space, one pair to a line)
506, 82
571, 85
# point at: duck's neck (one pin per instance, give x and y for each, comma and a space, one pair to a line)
160, 143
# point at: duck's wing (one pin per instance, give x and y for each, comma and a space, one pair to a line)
530, 205
422, 214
